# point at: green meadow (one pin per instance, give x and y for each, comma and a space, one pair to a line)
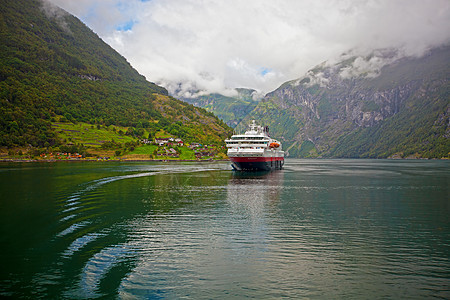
120, 145
91, 135
152, 151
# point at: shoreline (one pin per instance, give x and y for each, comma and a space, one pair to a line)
15, 160
5, 160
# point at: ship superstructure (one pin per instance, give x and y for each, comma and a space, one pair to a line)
255, 150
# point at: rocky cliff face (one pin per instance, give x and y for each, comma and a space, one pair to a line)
354, 108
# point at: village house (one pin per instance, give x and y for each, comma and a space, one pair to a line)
169, 141
204, 153
172, 152
179, 142
161, 141
146, 141
194, 145
75, 156
167, 152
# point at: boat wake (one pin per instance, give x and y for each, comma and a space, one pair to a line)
92, 223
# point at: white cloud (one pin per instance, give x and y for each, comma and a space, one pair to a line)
367, 66
217, 45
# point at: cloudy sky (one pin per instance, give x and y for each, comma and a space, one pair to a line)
217, 45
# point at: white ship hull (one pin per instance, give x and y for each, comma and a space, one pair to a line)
255, 151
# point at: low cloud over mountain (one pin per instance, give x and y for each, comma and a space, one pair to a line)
218, 45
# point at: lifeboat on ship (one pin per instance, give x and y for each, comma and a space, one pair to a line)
274, 145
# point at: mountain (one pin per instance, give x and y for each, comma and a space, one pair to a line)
53, 67
377, 106
230, 109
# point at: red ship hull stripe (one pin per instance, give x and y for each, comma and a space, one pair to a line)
255, 159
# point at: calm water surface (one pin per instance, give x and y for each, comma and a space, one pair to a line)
326, 229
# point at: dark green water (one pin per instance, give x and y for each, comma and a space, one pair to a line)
326, 229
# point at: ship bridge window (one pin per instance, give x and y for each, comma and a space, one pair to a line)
247, 138
247, 142
256, 142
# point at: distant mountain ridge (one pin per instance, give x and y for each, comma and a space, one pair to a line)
231, 110
377, 106
52, 65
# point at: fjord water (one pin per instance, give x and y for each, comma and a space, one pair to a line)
340, 229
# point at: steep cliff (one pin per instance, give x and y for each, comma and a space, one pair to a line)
378, 106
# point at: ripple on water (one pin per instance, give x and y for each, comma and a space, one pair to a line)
313, 230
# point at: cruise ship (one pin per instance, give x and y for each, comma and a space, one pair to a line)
255, 150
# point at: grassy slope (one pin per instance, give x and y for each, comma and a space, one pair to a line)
92, 137
89, 135
52, 66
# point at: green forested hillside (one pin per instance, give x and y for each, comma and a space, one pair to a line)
52, 65
230, 109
